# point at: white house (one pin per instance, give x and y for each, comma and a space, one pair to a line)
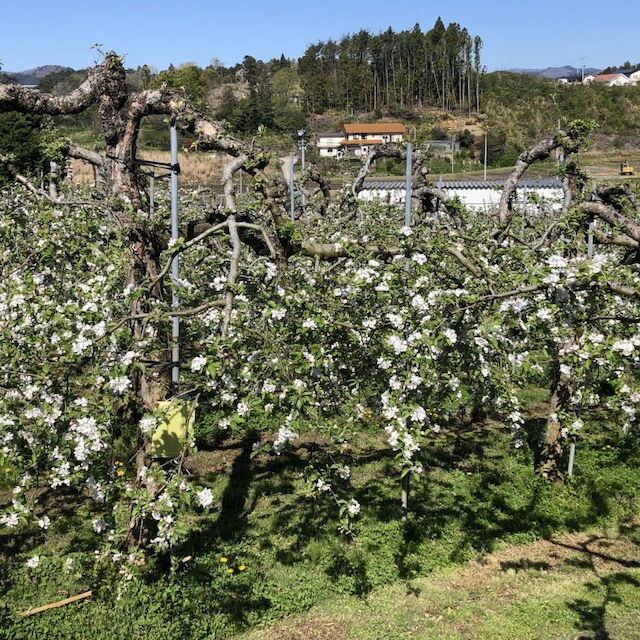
632, 73
612, 79
356, 139
328, 144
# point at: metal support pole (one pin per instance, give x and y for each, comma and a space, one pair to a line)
175, 265
437, 211
405, 497
303, 145
291, 187
485, 157
152, 194
572, 456
452, 167
408, 187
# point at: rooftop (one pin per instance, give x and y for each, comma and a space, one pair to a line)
377, 127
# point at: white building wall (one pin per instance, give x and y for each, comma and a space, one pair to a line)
481, 198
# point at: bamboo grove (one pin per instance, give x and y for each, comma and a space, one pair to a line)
365, 72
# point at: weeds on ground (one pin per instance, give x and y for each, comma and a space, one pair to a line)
272, 550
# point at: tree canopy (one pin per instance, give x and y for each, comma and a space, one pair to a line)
332, 315
366, 72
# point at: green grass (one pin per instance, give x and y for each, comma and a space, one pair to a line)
527, 604
413, 579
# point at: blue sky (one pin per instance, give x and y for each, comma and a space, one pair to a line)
159, 33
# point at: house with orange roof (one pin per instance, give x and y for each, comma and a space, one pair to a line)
356, 140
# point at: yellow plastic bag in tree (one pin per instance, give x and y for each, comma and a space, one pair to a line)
175, 428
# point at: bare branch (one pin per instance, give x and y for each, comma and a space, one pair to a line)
38, 193
465, 262
379, 151
80, 153
610, 215
265, 236
227, 180
617, 241
540, 152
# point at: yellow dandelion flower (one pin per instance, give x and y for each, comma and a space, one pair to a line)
241, 567
230, 570
223, 559
7, 469
120, 472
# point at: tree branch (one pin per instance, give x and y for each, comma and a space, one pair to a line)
540, 152
608, 214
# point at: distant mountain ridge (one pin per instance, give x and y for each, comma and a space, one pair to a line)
559, 72
34, 76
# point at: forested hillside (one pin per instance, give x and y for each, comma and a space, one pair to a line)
433, 81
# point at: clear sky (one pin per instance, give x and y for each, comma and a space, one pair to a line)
547, 33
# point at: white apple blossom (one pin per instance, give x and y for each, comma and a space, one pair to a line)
204, 497
451, 335
397, 344
148, 424
344, 472
626, 347
354, 507
119, 385
285, 435
99, 525
198, 363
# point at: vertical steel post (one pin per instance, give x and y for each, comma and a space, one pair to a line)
485, 157
408, 188
175, 265
591, 225
572, 457
590, 232
437, 211
291, 187
152, 194
452, 167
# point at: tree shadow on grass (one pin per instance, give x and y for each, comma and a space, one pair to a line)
263, 507
606, 589
63, 506
476, 494
462, 506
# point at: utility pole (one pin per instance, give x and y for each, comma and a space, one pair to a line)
303, 145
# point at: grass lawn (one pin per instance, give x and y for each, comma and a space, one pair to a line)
488, 550
572, 586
